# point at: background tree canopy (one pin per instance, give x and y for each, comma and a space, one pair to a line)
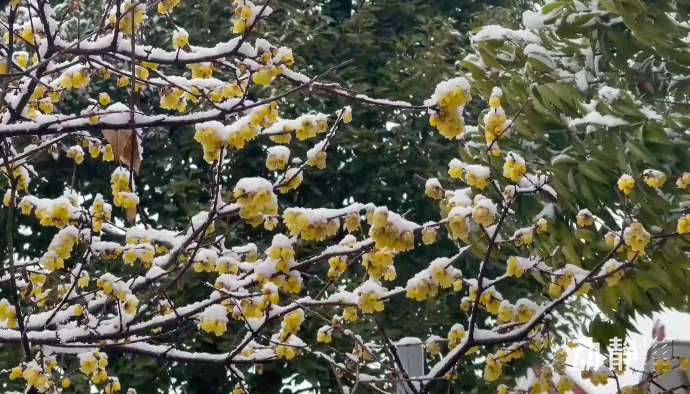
585, 80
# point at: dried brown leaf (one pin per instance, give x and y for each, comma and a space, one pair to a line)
131, 214
121, 141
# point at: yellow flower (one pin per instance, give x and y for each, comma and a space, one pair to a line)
505, 314
37, 279
52, 263
636, 237
458, 227
216, 95
434, 189
513, 267
662, 366
103, 73
433, 348
217, 327
584, 289
347, 115
493, 369
428, 236
480, 182
422, 290
599, 378
21, 60
323, 336
25, 207
494, 102
16, 373
350, 314
123, 81
46, 107
482, 215
654, 178
246, 12
66, 81
448, 120
684, 225
239, 26
149, 65
455, 336
455, 172
35, 378
130, 306
683, 181
292, 322
514, 167
88, 365
104, 99
585, 218
289, 60
293, 178
99, 376
440, 275
130, 256
370, 303
262, 77
626, 184
555, 290
684, 363
112, 387
80, 78
202, 71
94, 150
108, 154
565, 384
351, 224
318, 161
276, 162
286, 352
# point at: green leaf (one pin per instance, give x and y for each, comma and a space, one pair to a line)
547, 8
655, 133
592, 171
564, 159
538, 276
584, 234
662, 278
489, 58
538, 64
585, 189
626, 288
571, 180
550, 96
571, 256
609, 6
640, 151
622, 159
